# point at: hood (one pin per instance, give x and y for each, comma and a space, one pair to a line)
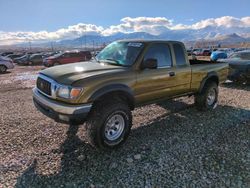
68, 74
5, 58
237, 63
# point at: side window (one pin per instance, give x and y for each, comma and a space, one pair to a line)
79, 54
73, 54
70, 55
161, 53
179, 54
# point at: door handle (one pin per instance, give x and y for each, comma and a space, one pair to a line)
171, 73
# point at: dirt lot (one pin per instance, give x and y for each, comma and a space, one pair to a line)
171, 144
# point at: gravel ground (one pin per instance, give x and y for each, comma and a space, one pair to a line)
171, 144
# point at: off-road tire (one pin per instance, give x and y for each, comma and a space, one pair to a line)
98, 118
201, 99
3, 69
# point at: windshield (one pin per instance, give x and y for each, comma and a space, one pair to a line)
235, 56
120, 53
57, 55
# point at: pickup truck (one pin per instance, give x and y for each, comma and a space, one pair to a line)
102, 93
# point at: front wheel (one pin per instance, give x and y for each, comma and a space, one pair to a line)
208, 98
3, 69
109, 124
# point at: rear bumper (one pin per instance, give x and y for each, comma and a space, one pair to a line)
60, 112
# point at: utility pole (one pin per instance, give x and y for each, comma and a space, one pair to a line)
93, 46
81, 42
30, 45
51, 44
85, 41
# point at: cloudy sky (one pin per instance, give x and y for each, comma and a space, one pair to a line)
23, 20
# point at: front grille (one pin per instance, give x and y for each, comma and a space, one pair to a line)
44, 86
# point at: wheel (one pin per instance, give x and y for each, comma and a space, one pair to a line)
108, 124
3, 69
248, 81
208, 98
56, 64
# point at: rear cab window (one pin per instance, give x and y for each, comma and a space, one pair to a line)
179, 53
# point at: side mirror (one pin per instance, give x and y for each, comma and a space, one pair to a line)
149, 64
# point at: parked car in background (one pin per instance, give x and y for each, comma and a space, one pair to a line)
67, 57
13, 56
6, 53
5, 63
35, 59
205, 52
218, 55
239, 66
23, 60
189, 52
197, 51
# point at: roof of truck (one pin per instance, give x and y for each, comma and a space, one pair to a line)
148, 40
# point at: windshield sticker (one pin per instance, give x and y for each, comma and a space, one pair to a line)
135, 44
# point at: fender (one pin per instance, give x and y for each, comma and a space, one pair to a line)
114, 88
210, 76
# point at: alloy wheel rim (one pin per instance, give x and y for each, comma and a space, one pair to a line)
211, 97
114, 127
2, 68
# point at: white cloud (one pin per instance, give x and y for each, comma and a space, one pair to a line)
64, 33
225, 21
152, 25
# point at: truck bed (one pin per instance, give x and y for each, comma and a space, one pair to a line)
200, 68
197, 62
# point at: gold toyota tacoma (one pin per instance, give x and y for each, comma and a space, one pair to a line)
128, 73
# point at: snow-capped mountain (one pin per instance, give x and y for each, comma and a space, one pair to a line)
217, 34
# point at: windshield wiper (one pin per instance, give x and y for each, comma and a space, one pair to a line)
109, 59
94, 57
113, 62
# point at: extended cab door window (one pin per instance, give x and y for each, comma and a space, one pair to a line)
160, 52
182, 70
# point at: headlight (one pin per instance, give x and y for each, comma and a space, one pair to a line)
68, 92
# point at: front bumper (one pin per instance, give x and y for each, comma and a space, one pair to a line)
60, 112
10, 66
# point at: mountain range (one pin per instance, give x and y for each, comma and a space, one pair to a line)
217, 35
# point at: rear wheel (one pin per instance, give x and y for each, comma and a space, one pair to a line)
208, 98
108, 124
3, 69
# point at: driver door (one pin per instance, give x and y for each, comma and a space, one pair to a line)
154, 84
